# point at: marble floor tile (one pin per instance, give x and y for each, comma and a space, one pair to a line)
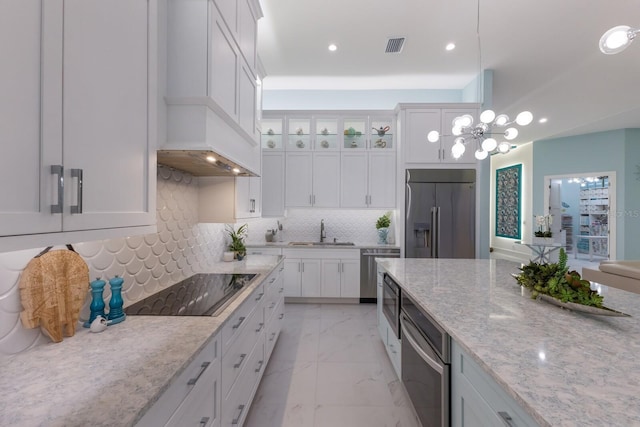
363, 416
352, 384
329, 368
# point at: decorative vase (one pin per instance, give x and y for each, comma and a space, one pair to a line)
382, 235
542, 240
240, 256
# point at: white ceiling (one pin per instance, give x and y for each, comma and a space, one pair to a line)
544, 54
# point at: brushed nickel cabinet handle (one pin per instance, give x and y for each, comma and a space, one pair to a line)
204, 421
59, 171
237, 365
240, 320
203, 368
77, 173
260, 363
508, 421
237, 419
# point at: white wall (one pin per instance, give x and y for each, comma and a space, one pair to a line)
504, 247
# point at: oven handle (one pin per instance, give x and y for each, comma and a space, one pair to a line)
409, 332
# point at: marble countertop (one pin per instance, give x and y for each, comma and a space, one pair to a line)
564, 368
111, 378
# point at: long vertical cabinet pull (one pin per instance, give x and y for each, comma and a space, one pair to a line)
77, 173
58, 170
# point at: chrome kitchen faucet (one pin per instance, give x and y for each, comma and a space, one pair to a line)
323, 235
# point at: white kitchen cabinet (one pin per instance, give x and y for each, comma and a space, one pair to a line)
223, 199
248, 197
477, 400
368, 132
368, 180
312, 179
326, 180
340, 278
301, 275
272, 136
193, 397
298, 180
273, 179
418, 122
55, 103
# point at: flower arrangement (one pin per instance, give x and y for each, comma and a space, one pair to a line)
544, 226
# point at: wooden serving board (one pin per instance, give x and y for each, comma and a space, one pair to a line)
53, 288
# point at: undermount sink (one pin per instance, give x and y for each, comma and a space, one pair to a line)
321, 244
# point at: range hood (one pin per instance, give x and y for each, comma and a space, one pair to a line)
201, 163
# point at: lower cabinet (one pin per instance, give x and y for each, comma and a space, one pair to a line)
218, 387
194, 397
340, 278
327, 273
302, 277
477, 400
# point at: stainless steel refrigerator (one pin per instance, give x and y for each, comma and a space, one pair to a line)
440, 215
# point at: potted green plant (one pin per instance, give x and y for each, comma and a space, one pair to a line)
237, 240
382, 225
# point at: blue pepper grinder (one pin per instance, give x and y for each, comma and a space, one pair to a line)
116, 315
97, 301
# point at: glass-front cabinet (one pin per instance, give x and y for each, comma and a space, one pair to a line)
372, 133
381, 131
355, 133
326, 134
299, 134
271, 136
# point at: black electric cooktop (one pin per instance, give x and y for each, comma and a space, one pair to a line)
199, 295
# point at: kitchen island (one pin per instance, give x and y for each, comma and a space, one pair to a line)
563, 368
112, 378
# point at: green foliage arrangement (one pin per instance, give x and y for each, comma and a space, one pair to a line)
384, 221
237, 238
555, 280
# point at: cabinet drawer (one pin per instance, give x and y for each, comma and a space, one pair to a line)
237, 321
201, 408
465, 367
274, 326
237, 357
236, 405
206, 362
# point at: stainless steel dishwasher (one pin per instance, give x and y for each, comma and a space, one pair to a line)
369, 271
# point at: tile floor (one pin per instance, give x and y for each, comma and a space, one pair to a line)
329, 369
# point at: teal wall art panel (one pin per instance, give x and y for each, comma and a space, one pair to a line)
508, 194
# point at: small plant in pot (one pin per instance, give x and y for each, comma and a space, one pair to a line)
382, 225
237, 240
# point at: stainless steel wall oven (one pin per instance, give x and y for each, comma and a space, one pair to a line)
391, 303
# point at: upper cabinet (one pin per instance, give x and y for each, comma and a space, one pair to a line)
418, 122
78, 109
212, 78
368, 132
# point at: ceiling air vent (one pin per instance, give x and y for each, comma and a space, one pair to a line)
394, 45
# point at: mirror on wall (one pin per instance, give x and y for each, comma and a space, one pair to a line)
581, 206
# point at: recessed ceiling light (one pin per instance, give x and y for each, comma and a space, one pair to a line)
450, 46
543, 120
236, 170
211, 159
333, 47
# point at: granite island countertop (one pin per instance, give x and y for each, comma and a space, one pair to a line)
564, 368
111, 378
356, 245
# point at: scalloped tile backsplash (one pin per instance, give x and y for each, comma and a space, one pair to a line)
180, 247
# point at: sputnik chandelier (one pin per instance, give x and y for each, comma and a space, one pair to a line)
483, 133
617, 39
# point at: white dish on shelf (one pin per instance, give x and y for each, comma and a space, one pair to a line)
299, 144
324, 144
271, 144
